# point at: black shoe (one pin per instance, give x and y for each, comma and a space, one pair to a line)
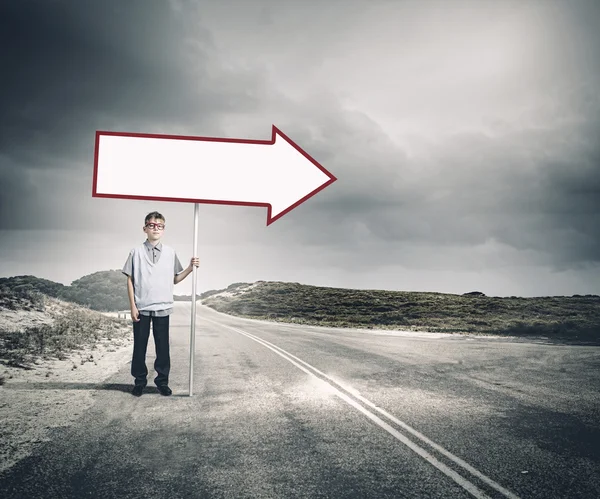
137, 390
164, 390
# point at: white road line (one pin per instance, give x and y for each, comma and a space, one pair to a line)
411, 430
308, 369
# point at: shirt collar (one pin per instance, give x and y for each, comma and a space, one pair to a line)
149, 246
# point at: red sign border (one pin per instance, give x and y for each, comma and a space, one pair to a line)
275, 131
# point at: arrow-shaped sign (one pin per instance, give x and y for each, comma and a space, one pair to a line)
276, 173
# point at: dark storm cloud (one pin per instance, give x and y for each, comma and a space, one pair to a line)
71, 68
532, 188
69, 62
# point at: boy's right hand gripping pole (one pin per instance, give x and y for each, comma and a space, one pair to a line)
194, 280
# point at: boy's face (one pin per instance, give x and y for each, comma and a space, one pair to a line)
154, 229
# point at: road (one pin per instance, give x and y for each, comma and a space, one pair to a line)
288, 411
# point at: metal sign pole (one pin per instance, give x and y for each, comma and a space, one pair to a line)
194, 280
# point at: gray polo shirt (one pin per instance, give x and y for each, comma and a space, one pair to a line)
154, 253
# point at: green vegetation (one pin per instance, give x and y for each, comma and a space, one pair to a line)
560, 317
75, 327
105, 291
21, 298
25, 290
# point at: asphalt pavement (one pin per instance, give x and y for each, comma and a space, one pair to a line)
289, 411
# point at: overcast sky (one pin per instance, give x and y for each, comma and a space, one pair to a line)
465, 137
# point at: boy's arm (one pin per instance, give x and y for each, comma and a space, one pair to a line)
182, 275
128, 271
194, 262
134, 311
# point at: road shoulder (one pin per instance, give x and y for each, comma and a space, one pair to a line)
52, 394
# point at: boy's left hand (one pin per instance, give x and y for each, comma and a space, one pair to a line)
194, 262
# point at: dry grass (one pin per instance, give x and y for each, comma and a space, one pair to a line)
575, 318
34, 326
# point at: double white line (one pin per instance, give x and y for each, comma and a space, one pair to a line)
353, 398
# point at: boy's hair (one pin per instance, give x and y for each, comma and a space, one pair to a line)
155, 215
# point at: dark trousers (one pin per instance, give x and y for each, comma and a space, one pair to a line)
162, 364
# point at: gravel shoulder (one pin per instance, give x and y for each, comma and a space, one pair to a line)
29, 413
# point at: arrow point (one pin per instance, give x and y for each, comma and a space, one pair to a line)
301, 176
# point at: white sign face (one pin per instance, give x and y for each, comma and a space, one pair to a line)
276, 174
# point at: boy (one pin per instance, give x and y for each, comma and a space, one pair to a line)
152, 269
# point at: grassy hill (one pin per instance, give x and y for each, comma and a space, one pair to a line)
40, 318
104, 291
559, 317
34, 325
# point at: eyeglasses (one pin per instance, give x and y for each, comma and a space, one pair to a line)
157, 226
